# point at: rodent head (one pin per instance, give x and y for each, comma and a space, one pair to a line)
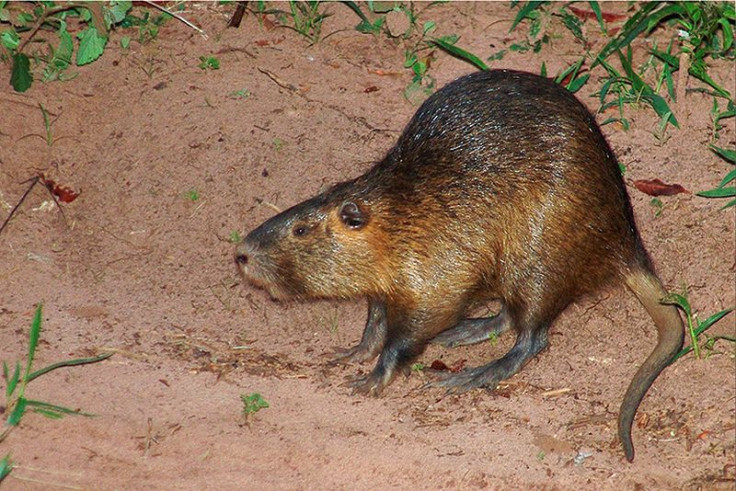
325, 247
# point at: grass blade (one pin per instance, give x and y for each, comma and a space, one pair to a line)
33, 340
12, 383
6, 466
598, 14
730, 176
459, 52
17, 413
68, 363
58, 411
633, 27
707, 323
354, 7
525, 11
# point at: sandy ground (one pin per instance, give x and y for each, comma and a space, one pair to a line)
136, 266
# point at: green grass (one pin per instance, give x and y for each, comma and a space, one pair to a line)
703, 32
252, 403
192, 195
209, 63
16, 383
722, 190
6, 467
696, 328
235, 237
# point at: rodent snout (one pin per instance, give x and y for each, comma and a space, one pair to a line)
243, 254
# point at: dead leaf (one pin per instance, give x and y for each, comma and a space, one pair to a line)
655, 187
63, 193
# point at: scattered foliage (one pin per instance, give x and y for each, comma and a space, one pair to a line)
209, 63
192, 195
6, 467
16, 402
252, 403
723, 191
696, 328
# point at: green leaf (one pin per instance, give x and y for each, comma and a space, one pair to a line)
54, 411
33, 340
10, 39
17, 413
446, 44
524, 12
62, 57
6, 467
577, 83
657, 102
729, 155
252, 403
354, 7
636, 24
68, 363
727, 34
13, 382
679, 300
667, 58
91, 46
708, 323
718, 193
699, 71
21, 78
573, 24
598, 15
119, 9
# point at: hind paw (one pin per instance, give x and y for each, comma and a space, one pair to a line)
458, 383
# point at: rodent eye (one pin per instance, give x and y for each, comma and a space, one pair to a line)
300, 230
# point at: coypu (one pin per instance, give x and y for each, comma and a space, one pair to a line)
500, 187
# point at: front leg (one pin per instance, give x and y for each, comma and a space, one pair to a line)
395, 355
407, 334
374, 335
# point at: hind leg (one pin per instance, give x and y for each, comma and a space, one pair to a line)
374, 336
471, 331
531, 339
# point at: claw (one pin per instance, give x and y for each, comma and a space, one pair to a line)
365, 384
356, 354
461, 382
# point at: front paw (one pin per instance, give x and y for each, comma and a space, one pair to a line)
368, 385
356, 354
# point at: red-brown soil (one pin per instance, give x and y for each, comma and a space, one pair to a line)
139, 268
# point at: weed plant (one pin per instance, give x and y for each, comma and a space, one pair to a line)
17, 380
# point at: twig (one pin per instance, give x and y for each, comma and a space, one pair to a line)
178, 17
279, 82
41, 20
33, 181
238, 15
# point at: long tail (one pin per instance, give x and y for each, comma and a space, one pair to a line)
670, 333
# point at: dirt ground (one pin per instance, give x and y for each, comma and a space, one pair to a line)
137, 266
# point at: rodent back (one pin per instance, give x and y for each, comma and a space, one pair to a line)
510, 163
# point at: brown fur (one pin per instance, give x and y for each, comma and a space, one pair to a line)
501, 187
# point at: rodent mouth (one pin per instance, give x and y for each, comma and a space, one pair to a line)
258, 278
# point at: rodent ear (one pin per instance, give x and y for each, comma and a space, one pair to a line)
352, 216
